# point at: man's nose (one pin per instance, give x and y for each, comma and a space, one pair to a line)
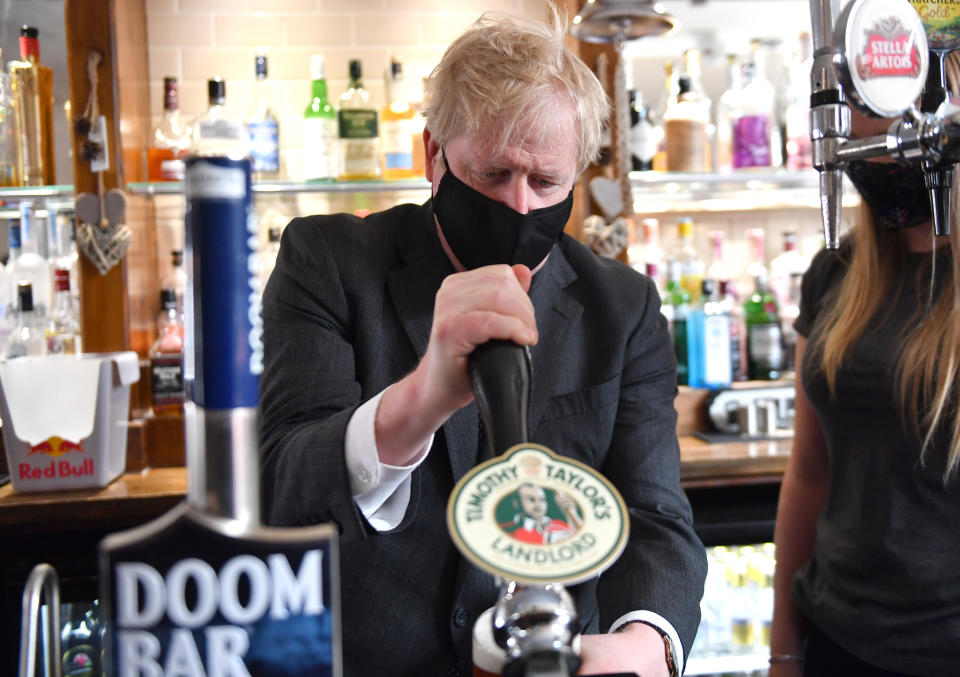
516, 195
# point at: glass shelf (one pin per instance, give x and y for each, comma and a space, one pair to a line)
21, 193
290, 187
657, 192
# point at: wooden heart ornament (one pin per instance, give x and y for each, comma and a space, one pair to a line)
103, 240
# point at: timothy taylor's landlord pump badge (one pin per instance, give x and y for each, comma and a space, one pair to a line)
533, 516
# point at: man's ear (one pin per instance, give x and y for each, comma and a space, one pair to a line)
430, 150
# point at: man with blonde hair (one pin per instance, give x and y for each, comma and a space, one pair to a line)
368, 416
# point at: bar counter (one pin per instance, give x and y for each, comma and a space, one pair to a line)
139, 496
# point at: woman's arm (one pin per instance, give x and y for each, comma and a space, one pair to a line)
802, 495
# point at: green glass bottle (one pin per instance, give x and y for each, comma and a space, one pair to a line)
764, 334
321, 157
677, 300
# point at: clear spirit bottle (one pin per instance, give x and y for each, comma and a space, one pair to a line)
358, 130
397, 124
216, 131
170, 140
263, 127
26, 339
63, 333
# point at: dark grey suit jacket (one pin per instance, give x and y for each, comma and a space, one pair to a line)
347, 312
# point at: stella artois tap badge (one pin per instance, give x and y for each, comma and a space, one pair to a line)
535, 517
884, 55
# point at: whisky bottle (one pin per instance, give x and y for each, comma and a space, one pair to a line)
358, 130
166, 357
321, 158
33, 94
170, 140
263, 127
398, 124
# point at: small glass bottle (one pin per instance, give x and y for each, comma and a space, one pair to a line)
176, 278
9, 133
263, 127
26, 339
397, 122
691, 265
358, 130
29, 265
644, 133
753, 120
216, 131
676, 307
63, 333
166, 358
321, 158
764, 333
170, 140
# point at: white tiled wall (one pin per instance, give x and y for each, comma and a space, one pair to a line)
194, 40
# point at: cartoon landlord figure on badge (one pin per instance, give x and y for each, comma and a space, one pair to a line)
533, 520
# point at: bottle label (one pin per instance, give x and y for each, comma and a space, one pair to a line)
357, 124
320, 146
686, 145
172, 170
166, 379
643, 142
765, 345
716, 350
397, 143
751, 141
264, 145
222, 129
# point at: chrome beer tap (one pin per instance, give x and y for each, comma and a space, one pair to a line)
876, 56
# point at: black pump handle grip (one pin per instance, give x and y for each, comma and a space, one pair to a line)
500, 373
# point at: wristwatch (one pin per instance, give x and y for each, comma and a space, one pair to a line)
667, 646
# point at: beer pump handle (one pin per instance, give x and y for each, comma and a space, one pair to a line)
500, 372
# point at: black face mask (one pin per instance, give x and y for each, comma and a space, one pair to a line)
482, 231
895, 193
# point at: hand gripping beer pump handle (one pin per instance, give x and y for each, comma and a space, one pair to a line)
500, 372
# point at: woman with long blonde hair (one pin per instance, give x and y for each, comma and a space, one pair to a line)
868, 559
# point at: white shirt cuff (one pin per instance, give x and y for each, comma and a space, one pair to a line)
381, 491
661, 624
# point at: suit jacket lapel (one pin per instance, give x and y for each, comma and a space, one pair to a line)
556, 311
413, 289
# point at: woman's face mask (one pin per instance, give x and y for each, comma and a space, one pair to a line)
481, 231
895, 193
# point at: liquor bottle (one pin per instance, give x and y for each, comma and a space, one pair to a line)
789, 312
26, 339
170, 140
263, 127
757, 264
691, 265
63, 331
33, 92
397, 125
80, 641
29, 265
734, 309
667, 99
646, 256
728, 102
9, 133
708, 336
321, 155
753, 120
644, 133
718, 270
797, 109
788, 263
764, 333
216, 131
685, 125
358, 130
166, 357
416, 129
176, 279
676, 307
